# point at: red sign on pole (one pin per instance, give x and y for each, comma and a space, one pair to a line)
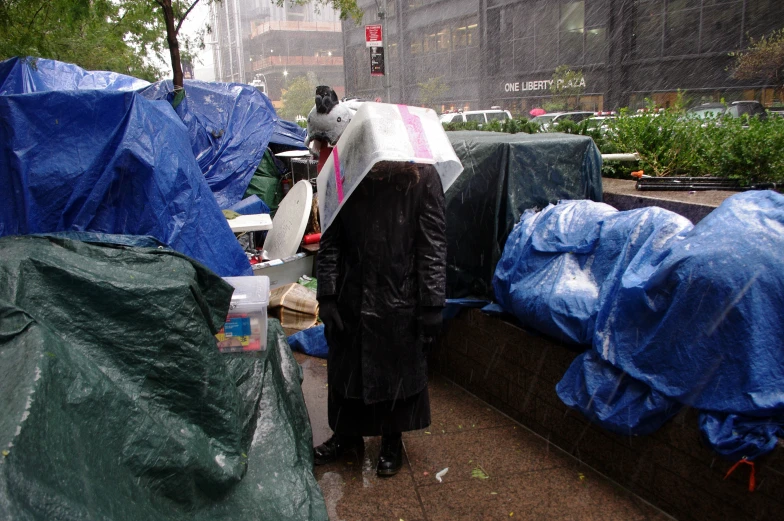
373, 36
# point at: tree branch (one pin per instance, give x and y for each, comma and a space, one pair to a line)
184, 16
30, 26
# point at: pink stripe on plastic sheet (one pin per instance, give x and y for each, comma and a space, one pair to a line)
416, 133
338, 178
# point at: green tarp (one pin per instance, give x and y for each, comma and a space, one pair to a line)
504, 175
116, 405
266, 183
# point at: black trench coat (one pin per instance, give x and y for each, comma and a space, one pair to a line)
383, 259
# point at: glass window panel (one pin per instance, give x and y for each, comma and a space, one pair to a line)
429, 44
677, 5
523, 21
596, 46
546, 51
477, 118
507, 57
506, 25
444, 39
546, 18
572, 16
458, 62
721, 27
524, 54
682, 31
473, 35
459, 37
596, 13
648, 28
571, 48
762, 16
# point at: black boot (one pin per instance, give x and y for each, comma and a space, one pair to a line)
390, 460
335, 447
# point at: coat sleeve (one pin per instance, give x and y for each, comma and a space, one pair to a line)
431, 240
329, 260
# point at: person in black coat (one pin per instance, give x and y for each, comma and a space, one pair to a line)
381, 288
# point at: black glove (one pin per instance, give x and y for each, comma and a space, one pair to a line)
328, 313
430, 323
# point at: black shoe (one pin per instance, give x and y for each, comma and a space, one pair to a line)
390, 460
335, 447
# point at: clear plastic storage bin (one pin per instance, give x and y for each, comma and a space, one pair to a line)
246, 324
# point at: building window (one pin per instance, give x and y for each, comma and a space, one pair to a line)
721, 27
648, 28
682, 30
596, 46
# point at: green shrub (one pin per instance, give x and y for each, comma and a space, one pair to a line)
671, 144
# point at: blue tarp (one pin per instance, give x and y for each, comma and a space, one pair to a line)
289, 134
310, 341
229, 127
250, 206
684, 316
556, 262
229, 124
23, 76
109, 162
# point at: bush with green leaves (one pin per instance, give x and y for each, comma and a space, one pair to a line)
672, 144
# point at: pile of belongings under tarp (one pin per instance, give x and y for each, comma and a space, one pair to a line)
677, 315
116, 403
505, 175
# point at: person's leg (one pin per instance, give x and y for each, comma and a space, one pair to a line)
390, 459
345, 437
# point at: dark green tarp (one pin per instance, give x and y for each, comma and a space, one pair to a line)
504, 175
266, 183
116, 405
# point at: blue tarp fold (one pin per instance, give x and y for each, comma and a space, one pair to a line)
26, 75
557, 263
680, 315
289, 134
229, 127
109, 162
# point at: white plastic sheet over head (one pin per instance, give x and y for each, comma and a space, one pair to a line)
383, 132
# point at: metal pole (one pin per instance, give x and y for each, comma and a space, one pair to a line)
387, 61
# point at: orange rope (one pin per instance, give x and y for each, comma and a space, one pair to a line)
752, 477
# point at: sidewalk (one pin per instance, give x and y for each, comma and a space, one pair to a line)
518, 474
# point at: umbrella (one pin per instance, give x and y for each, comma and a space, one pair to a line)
383, 132
537, 112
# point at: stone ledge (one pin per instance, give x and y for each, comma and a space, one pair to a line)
621, 194
672, 468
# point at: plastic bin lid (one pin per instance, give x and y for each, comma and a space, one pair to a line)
383, 132
251, 293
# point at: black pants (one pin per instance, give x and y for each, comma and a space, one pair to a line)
353, 417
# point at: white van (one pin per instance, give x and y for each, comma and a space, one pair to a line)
479, 116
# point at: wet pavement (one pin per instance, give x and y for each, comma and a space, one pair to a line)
497, 468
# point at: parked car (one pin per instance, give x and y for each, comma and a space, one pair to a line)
734, 109
546, 121
478, 116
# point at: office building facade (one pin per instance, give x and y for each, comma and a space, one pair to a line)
261, 43
473, 54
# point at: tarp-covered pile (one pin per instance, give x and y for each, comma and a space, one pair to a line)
677, 315
504, 175
23, 76
115, 403
112, 162
229, 126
